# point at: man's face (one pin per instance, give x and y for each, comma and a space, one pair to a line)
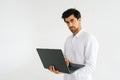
73, 23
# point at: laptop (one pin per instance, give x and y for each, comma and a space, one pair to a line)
55, 58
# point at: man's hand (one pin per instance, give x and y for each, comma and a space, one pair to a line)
52, 69
68, 62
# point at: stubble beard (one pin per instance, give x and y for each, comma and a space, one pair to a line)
74, 30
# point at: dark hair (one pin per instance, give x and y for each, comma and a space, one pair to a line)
71, 11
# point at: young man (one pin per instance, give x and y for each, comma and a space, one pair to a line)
80, 48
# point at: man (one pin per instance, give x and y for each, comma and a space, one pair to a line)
80, 48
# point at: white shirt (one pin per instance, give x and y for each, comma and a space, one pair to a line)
81, 49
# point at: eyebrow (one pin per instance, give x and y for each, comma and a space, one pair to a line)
66, 21
70, 21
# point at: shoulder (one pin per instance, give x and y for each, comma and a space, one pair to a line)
69, 37
88, 36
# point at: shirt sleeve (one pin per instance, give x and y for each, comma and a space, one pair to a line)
91, 50
64, 53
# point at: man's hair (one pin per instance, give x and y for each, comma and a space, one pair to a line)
71, 11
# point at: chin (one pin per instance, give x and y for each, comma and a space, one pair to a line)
72, 31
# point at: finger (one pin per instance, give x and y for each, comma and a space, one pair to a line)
58, 72
68, 61
55, 71
53, 68
50, 68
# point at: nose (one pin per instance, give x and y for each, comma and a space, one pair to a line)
70, 24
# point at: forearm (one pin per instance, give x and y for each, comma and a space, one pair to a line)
88, 69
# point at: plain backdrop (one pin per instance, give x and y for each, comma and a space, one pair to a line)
29, 24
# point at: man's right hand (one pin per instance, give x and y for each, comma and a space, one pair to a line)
52, 69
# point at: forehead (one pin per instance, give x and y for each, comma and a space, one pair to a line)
70, 17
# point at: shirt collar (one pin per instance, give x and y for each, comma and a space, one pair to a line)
77, 35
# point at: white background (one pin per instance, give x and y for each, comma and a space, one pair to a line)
28, 24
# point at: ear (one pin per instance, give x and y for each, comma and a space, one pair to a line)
79, 19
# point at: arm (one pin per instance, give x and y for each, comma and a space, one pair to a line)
91, 49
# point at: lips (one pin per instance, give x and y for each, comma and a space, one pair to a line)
72, 28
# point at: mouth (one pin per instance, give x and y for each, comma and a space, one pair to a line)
72, 28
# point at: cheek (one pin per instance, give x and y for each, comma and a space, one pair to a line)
77, 23
68, 25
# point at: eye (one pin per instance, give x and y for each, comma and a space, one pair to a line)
72, 20
67, 22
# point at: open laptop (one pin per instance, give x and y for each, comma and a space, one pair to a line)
55, 58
